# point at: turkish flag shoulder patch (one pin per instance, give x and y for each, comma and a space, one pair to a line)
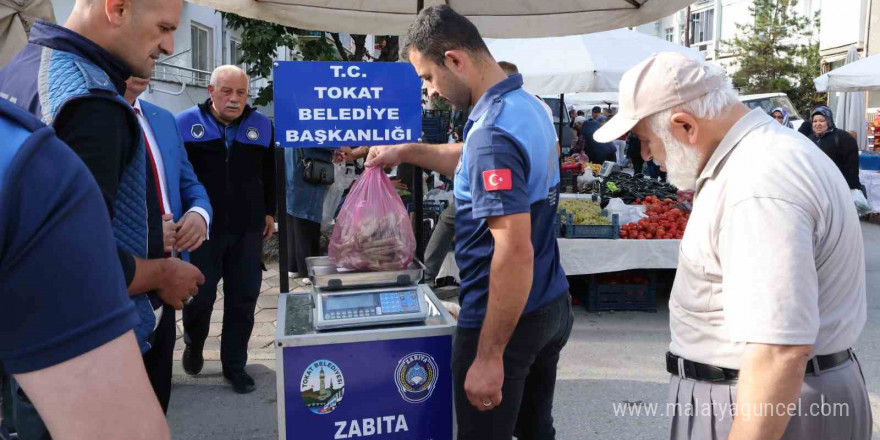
497, 180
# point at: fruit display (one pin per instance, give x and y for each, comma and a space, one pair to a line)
584, 212
665, 221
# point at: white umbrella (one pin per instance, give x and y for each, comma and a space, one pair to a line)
494, 18
858, 76
581, 63
850, 112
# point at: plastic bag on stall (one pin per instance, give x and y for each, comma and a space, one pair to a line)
373, 230
626, 213
861, 202
343, 176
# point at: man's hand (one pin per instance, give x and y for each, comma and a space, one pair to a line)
169, 232
386, 156
192, 232
398, 184
483, 383
180, 281
270, 227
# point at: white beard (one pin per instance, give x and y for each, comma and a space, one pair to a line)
682, 162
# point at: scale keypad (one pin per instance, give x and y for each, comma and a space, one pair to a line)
399, 302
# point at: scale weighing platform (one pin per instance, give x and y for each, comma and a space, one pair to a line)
364, 354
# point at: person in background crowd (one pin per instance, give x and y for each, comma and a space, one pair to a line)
100, 46
571, 115
231, 147
634, 152
837, 144
177, 189
86, 385
781, 116
599, 152
305, 208
516, 312
769, 296
578, 142
596, 114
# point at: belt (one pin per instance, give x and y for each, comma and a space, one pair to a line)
709, 373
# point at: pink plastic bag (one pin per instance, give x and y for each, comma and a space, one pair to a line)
373, 230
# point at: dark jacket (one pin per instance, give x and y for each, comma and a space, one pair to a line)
598, 152
840, 146
240, 180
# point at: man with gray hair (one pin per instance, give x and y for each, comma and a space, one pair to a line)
769, 296
231, 147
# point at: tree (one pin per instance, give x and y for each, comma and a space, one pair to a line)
772, 56
260, 41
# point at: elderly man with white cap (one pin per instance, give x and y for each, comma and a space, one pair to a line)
769, 296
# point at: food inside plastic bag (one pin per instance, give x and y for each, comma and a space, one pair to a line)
372, 231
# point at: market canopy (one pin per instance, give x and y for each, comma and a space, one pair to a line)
858, 76
581, 101
494, 18
581, 63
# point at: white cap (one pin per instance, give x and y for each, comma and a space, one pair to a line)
663, 81
580, 120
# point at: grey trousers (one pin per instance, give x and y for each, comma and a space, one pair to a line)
832, 405
441, 241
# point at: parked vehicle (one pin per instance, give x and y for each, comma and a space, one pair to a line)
769, 101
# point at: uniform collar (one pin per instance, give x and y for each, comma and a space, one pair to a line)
60, 38
744, 126
494, 94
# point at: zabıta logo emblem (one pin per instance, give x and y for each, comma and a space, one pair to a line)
197, 131
252, 134
322, 386
416, 377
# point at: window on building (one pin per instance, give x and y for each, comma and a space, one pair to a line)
703, 26
670, 34
201, 52
235, 53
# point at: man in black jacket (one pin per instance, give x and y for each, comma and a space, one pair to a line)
231, 148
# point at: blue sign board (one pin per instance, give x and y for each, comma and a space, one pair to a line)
380, 390
343, 104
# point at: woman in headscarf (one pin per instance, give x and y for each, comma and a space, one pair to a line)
781, 116
837, 144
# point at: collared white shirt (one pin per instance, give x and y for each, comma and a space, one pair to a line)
773, 251
160, 166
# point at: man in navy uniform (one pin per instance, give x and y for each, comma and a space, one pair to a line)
231, 147
515, 309
66, 323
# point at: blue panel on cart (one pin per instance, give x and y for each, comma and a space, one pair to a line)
395, 389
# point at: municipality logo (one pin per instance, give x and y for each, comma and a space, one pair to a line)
416, 377
197, 131
322, 386
252, 134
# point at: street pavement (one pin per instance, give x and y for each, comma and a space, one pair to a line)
612, 359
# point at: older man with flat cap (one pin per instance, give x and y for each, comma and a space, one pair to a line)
770, 292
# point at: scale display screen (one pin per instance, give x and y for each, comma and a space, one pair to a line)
334, 303
370, 306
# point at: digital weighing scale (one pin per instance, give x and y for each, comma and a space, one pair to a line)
361, 308
347, 299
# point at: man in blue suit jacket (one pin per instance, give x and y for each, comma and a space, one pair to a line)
184, 231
